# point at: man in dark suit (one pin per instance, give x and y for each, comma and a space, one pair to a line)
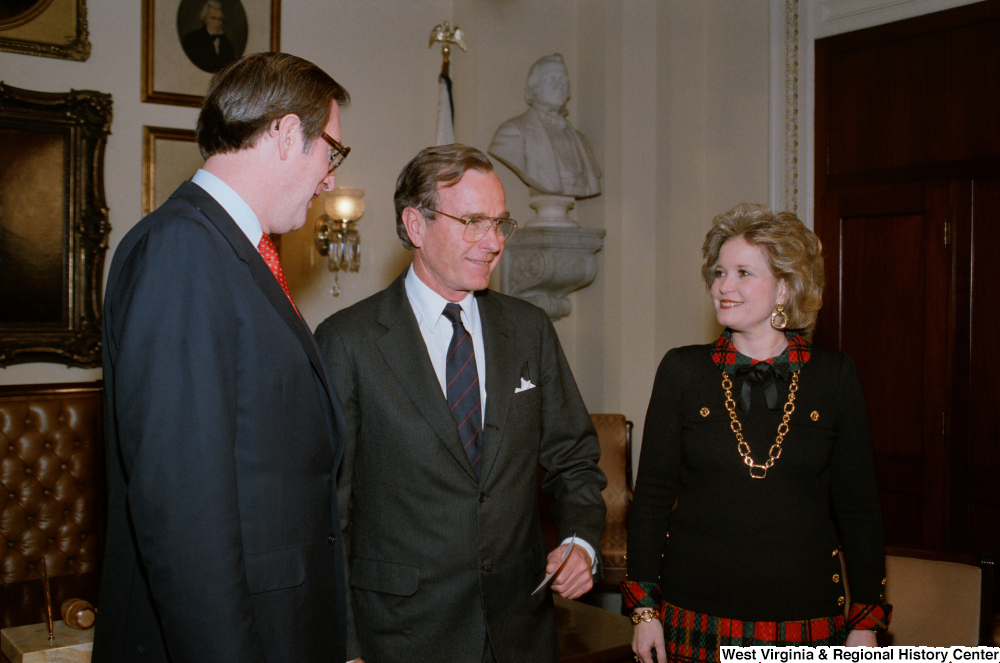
208, 47
223, 432
454, 396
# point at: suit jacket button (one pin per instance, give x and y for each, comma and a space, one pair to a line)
487, 567
331, 539
482, 497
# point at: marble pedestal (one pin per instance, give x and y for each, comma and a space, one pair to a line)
551, 211
543, 264
30, 644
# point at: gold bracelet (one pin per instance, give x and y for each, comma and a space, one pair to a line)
644, 616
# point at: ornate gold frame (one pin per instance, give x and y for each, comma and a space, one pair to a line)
149, 92
149, 137
52, 29
83, 118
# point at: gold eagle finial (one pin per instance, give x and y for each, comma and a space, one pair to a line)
444, 34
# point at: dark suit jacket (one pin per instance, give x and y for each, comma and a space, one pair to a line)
437, 558
222, 447
757, 550
200, 49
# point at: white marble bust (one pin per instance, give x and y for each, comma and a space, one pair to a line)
540, 145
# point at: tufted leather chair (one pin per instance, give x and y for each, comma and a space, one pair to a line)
51, 480
615, 435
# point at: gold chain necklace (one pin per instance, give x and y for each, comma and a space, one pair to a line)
774, 453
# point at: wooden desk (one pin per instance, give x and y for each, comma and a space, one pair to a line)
592, 635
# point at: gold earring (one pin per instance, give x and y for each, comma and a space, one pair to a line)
779, 312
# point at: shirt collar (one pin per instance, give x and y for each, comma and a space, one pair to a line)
729, 359
235, 206
429, 305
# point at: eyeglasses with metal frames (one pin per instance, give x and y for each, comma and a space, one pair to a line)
338, 152
476, 226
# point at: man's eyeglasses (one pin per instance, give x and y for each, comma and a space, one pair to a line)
337, 152
477, 225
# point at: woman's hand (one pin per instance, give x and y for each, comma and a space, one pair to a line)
646, 637
859, 639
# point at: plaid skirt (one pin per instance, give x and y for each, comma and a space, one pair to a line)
691, 636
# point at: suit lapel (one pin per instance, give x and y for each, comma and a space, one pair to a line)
404, 350
260, 272
501, 375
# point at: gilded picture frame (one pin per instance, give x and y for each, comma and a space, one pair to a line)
179, 55
53, 225
169, 157
49, 28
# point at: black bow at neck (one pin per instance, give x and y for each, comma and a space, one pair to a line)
764, 372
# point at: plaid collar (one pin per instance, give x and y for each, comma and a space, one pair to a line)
729, 359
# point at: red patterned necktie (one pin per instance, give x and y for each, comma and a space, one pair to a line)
270, 255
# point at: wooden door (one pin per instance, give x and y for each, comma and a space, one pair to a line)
908, 208
976, 446
887, 305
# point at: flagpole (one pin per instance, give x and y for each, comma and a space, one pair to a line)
445, 35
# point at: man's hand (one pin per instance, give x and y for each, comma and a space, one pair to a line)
574, 579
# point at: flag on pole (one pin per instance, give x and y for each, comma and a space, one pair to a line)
446, 111
443, 34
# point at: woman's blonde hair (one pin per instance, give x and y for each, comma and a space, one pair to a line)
793, 252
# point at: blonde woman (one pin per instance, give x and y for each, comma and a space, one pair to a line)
756, 467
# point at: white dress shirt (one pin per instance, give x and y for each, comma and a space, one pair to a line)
437, 330
428, 307
237, 208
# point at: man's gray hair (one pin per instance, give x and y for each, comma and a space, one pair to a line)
210, 4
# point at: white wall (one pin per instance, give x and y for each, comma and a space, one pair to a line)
378, 51
671, 93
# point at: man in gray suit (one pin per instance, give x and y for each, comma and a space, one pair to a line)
454, 396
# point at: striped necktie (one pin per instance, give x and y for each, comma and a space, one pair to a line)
463, 387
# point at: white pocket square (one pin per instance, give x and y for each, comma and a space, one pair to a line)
525, 386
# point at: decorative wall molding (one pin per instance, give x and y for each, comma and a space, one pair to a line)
834, 10
831, 17
786, 107
791, 106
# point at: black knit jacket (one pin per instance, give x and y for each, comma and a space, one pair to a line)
757, 549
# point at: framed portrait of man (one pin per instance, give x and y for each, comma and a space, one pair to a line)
185, 42
53, 225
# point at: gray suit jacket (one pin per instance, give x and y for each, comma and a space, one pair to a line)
438, 559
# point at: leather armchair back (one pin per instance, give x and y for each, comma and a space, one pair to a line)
939, 598
615, 435
52, 489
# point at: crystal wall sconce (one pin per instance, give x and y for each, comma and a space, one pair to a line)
337, 235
